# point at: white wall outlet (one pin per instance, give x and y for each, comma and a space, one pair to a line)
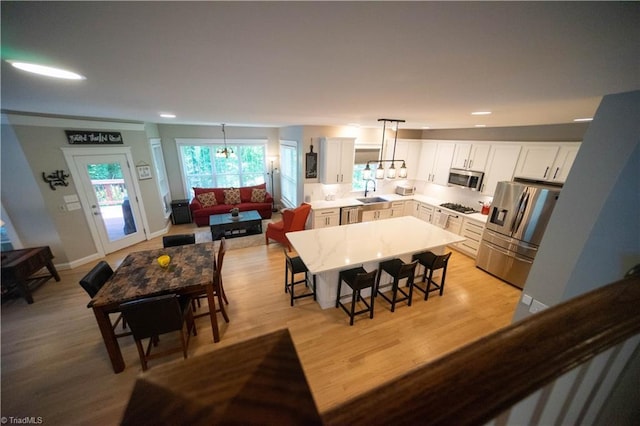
526, 299
537, 306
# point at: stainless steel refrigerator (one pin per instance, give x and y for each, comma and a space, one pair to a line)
518, 217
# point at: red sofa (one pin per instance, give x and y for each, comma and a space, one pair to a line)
202, 205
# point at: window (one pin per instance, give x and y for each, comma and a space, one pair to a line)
362, 155
201, 168
161, 174
289, 173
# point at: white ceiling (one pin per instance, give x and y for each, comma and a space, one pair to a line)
323, 63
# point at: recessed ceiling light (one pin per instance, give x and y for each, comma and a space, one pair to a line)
481, 113
583, 119
167, 115
426, 127
47, 71
481, 125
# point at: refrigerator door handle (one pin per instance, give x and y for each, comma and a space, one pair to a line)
496, 248
522, 207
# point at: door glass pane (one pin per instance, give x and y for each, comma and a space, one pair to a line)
113, 199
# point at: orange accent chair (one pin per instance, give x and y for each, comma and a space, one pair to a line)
292, 220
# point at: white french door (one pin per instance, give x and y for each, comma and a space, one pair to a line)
108, 194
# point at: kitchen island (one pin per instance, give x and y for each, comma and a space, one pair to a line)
327, 251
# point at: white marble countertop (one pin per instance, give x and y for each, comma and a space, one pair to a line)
346, 202
341, 247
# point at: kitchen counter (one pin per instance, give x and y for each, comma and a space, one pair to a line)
349, 202
326, 251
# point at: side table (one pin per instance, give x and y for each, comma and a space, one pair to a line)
19, 265
180, 212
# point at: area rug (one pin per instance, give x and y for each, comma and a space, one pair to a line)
203, 234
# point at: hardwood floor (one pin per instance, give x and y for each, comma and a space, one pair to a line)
55, 366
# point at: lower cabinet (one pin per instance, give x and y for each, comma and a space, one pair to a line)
376, 215
325, 218
472, 231
425, 212
397, 209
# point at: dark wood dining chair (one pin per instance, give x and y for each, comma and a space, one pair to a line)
93, 281
151, 317
178, 240
216, 283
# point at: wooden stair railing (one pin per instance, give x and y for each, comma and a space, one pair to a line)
262, 381
477, 382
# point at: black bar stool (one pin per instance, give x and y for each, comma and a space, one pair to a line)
295, 265
431, 263
398, 270
358, 279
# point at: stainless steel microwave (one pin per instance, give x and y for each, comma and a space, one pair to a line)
466, 179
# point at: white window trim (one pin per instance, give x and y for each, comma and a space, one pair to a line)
156, 142
207, 141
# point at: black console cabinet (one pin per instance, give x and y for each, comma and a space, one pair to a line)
180, 212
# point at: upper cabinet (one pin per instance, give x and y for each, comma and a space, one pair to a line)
470, 156
336, 159
564, 160
501, 165
406, 150
435, 161
546, 162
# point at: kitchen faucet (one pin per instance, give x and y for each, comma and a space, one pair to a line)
366, 185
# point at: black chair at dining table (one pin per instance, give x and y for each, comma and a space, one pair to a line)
178, 240
93, 281
151, 317
216, 283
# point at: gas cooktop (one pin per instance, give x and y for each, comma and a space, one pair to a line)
458, 208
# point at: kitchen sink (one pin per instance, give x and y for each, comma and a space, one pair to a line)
370, 200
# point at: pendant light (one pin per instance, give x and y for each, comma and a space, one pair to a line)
225, 152
380, 169
402, 173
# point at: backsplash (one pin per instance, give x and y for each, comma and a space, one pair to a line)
319, 191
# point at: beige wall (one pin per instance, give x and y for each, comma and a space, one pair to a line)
35, 142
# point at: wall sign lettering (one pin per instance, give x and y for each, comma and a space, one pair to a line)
83, 137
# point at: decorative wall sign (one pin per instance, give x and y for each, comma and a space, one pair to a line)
144, 172
83, 137
57, 178
311, 164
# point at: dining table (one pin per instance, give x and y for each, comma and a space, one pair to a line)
190, 272
327, 251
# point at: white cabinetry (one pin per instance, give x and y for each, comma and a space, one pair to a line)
372, 215
470, 156
411, 208
336, 159
425, 212
536, 161
324, 218
397, 208
435, 161
546, 162
472, 231
500, 166
564, 160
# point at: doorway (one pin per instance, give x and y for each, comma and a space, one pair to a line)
108, 194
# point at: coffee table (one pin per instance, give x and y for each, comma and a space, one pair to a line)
222, 225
